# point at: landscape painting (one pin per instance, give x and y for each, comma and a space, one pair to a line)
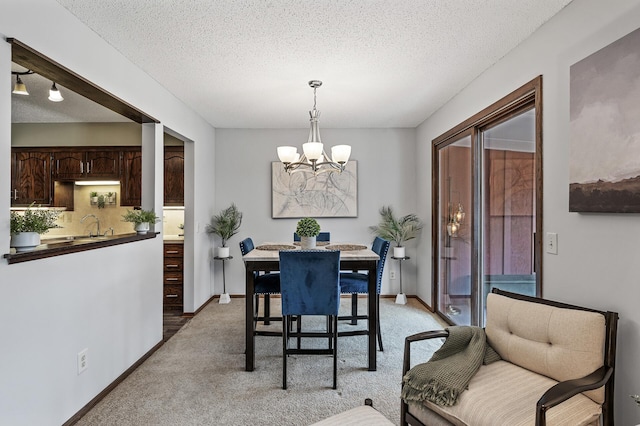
604, 166
301, 194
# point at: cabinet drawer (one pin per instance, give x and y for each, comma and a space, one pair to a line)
173, 250
173, 294
173, 264
173, 278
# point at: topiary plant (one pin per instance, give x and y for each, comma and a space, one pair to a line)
308, 227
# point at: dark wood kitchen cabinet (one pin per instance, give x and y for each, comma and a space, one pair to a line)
173, 276
30, 177
174, 176
131, 178
72, 164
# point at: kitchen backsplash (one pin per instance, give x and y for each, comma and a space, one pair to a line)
110, 215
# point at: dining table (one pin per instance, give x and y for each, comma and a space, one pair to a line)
353, 257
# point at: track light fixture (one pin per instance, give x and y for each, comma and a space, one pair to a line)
54, 94
20, 88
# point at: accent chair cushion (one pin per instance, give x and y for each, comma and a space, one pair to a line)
559, 343
504, 394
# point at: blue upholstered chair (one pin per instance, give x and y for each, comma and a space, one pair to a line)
323, 236
355, 283
264, 284
309, 283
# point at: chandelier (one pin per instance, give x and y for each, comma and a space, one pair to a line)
314, 158
455, 221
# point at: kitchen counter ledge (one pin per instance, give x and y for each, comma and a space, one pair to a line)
57, 247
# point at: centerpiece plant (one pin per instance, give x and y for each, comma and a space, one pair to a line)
308, 229
27, 226
397, 229
225, 225
141, 219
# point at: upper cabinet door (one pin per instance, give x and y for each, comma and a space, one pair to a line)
30, 177
103, 164
69, 164
174, 176
131, 178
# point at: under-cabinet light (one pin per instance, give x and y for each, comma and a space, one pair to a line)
97, 182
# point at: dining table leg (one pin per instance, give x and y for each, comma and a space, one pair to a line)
373, 317
249, 335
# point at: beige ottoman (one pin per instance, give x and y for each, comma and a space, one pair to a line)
364, 415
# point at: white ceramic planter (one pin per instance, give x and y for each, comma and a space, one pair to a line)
398, 252
223, 252
142, 228
308, 243
25, 241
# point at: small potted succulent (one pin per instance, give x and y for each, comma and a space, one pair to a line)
308, 229
94, 197
141, 219
225, 225
397, 229
27, 226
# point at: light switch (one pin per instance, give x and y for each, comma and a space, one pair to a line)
551, 243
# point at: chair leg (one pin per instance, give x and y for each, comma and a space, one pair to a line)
335, 350
328, 327
354, 308
299, 329
285, 338
255, 311
378, 320
267, 309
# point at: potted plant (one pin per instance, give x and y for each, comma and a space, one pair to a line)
396, 229
225, 225
308, 229
141, 219
101, 201
111, 198
94, 197
27, 226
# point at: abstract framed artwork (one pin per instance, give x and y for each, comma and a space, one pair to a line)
305, 195
604, 165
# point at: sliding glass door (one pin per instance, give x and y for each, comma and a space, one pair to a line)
455, 241
487, 200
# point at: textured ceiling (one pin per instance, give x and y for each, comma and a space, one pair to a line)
246, 63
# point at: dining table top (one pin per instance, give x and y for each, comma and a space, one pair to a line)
268, 251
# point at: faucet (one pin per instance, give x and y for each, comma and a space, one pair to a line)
97, 224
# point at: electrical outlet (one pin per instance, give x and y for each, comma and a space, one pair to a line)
83, 361
392, 275
551, 243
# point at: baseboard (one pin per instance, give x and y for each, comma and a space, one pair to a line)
193, 314
84, 410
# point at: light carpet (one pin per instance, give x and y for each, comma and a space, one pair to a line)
198, 377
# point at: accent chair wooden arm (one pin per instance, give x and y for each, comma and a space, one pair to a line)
406, 366
565, 390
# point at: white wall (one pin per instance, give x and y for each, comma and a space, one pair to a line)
107, 300
386, 176
597, 262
